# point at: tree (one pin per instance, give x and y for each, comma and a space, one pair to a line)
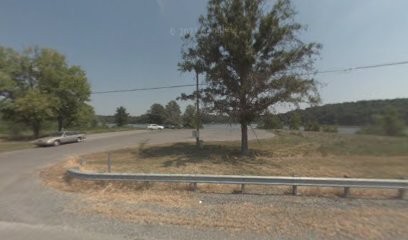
68, 83
392, 123
295, 121
173, 113
121, 116
33, 109
252, 59
85, 117
388, 123
44, 75
271, 121
189, 119
157, 114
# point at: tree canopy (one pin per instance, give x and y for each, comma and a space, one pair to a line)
38, 85
252, 58
121, 116
173, 113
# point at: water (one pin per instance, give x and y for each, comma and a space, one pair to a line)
340, 129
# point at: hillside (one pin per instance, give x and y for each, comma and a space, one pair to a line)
350, 113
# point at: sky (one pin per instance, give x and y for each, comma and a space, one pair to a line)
132, 44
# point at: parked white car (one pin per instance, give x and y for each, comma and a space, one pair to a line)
155, 127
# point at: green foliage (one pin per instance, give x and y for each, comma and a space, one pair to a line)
121, 116
189, 117
270, 121
312, 126
251, 57
38, 85
389, 123
392, 123
350, 113
329, 128
295, 121
33, 109
173, 114
85, 118
156, 114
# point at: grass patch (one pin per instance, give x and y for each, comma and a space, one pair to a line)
7, 146
109, 129
289, 153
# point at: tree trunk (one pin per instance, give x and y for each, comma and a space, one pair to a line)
244, 139
36, 130
60, 124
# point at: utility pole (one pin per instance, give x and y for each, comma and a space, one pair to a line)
197, 113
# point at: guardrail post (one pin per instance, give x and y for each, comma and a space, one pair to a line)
146, 184
242, 188
109, 163
193, 186
294, 187
402, 191
294, 190
346, 189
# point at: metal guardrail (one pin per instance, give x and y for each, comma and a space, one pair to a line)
347, 183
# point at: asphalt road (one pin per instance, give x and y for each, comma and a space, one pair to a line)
29, 210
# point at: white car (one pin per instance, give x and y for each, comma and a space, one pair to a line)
155, 127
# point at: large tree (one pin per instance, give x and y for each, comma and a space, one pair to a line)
68, 83
252, 59
58, 91
32, 109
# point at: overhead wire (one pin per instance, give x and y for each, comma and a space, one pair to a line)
314, 73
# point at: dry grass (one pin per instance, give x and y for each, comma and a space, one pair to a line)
310, 154
291, 217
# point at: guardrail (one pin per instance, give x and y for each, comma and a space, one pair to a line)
346, 183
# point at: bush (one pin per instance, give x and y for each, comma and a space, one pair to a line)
329, 128
389, 124
312, 126
270, 121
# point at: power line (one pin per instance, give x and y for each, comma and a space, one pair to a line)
318, 72
363, 67
146, 89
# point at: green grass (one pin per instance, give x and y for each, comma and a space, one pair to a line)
12, 146
107, 129
289, 153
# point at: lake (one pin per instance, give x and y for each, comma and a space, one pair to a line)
340, 129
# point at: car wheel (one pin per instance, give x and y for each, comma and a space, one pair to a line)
56, 143
79, 139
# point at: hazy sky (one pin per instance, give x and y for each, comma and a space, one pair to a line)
131, 44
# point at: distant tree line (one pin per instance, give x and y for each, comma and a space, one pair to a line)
359, 113
379, 117
169, 114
